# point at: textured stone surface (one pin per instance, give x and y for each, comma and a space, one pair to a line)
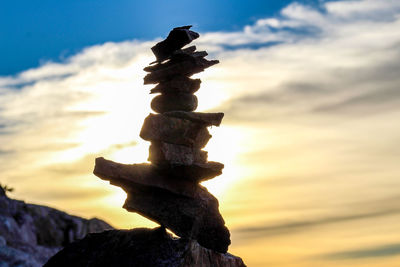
130, 176
158, 127
177, 38
195, 217
171, 102
31, 234
183, 64
140, 247
207, 119
179, 84
162, 153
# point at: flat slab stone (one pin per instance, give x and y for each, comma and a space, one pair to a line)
208, 119
141, 175
174, 102
158, 127
164, 153
136, 247
182, 65
179, 179
177, 38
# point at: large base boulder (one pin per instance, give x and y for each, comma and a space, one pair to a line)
139, 247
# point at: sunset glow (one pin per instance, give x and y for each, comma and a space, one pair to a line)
309, 139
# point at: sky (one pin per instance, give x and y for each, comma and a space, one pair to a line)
310, 92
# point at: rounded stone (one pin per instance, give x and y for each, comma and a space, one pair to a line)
174, 102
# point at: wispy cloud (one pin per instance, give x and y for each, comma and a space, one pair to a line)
389, 250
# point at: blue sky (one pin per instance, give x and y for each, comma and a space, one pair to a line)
33, 32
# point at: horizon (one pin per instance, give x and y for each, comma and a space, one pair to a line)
310, 92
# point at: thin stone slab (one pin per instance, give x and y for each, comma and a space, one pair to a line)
158, 127
208, 119
138, 175
177, 38
197, 172
180, 179
179, 84
195, 217
174, 102
182, 65
162, 153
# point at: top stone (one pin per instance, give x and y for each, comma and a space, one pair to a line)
177, 38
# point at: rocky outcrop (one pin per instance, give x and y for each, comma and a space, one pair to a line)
140, 247
30, 234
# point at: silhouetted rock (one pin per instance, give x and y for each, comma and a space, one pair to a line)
177, 38
158, 127
184, 64
167, 191
179, 84
208, 119
171, 102
129, 176
162, 153
194, 217
31, 234
140, 247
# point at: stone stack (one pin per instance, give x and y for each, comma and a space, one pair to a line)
167, 191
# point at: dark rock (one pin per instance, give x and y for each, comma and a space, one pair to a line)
174, 102
208, 119
177, 38
195, 217
2, 191
139, 247
158, 127
183, 64
179, 84
164, 153
129, 176
179, 179
31, 234
197, 172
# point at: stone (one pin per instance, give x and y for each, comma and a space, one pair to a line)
183, 65
197, 172
195, 217
129, 176
208, 119
172, 102
158, 127
177, 38
179, 84
162, 153
179, 179
34, 233
136, 247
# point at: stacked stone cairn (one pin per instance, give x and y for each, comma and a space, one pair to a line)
167, 191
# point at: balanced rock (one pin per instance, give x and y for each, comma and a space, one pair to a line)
140, 247
158, 127
162, 153
171, 102
179, 84
194, 217
177, 38
168, 190
184, 64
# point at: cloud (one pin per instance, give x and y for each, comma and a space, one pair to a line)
389, 250
303, 225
